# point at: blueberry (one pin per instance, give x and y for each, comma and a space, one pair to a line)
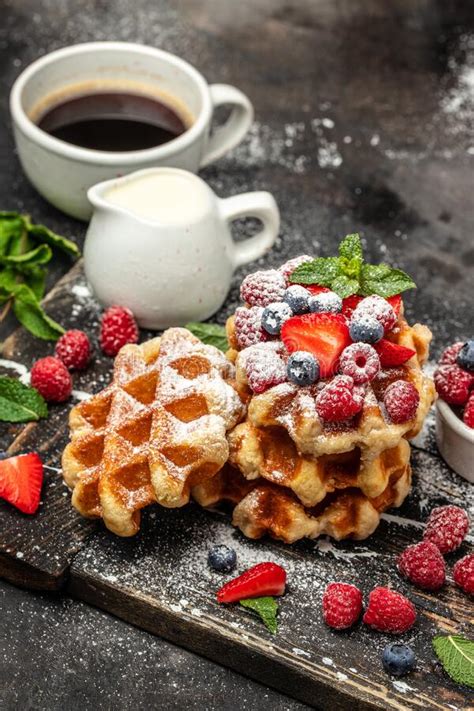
302, 368
465, 357
4, 455
366, 329
398, 659
296, 297
222, 558
325, 302
274, 316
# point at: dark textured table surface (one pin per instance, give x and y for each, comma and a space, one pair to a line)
364, 121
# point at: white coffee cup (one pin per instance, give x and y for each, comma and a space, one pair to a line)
159, 242
62, 172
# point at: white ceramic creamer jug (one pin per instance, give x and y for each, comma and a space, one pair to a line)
159, 242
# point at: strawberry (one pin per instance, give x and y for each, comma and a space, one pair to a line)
396, 303
316, 289
349, 304
391, 354
324, 335
21, 478
260, 580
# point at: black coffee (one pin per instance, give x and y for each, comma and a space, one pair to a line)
113, 122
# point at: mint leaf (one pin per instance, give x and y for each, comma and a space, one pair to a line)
344, 286
40, 232
210, 333
321, 271
11, 227
40, 255
35, 278
31, 315
19, 403
351, 248
266, 607
384, 281
456, 654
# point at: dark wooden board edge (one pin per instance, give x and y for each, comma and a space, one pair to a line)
210, 641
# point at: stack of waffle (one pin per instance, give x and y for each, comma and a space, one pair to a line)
291, 475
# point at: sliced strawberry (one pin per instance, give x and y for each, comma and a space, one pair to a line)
324, 335
349, 304
391, 354
21, 478
315, 289
263, 579
396, 303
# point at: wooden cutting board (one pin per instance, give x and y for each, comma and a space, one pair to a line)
160, 581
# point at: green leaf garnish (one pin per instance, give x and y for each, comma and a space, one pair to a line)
348, 274
43, 234
19, 403
210, 333
32, 316
25, 249
267, 608
456, 654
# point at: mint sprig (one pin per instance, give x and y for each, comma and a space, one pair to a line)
25, 250
20, 403
266, 607
210, 333
348, 274
456, 654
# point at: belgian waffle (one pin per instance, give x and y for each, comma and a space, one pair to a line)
157, 430
271, 454
293, 408
265, 508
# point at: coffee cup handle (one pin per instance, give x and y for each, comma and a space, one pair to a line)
263, 207
231, 133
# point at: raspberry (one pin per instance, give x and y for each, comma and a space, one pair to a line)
342, 605
118, 327
289, 267
401, 401
264, 366
453, 384
261, 288
423, 565
447, 527
389, 611
339, 400
74, 349
248, 326
379, 308
360, 361
449, 355
468, 415
463, 573
51, 378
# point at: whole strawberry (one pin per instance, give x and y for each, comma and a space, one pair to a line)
389, 611
447, 527
74, 349
51, 378
423, 565
463, 573
342, 605
118, 327
261, 288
